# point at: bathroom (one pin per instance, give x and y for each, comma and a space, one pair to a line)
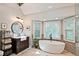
50, 28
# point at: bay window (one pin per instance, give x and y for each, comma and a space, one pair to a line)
69, 29
52, 28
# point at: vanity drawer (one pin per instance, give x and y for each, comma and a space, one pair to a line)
23, 45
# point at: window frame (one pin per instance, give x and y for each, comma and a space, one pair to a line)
59, 38
64, 30
34, 29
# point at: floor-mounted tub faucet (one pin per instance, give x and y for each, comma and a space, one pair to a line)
50, 37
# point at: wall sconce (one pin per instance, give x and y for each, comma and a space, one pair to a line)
19, 18
28, 28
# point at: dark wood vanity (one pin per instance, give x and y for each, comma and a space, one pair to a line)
18, 45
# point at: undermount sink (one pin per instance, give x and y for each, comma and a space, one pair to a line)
19, 37
22, 37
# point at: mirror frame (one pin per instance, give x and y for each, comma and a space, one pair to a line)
13, 25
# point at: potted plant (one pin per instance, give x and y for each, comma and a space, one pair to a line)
36, 43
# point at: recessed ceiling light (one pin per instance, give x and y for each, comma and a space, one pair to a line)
44, 19
76, 16
49, 7
57, 18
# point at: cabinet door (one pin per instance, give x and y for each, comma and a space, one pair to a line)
23, 44
18, 46
15, 45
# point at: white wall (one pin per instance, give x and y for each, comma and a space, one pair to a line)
8, 15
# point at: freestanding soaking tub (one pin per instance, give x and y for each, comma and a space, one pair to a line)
51, 46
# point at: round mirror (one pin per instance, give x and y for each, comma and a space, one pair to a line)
17, 28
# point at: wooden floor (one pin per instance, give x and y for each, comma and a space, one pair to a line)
38, 52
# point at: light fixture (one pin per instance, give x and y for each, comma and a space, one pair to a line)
49, 7
56, 18
44, 19
19, 19
20, 4
76, 16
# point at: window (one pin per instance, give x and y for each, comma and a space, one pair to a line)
69, 34
69, 29
77, 29
36, 30
52, 27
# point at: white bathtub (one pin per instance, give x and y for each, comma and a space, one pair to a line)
51, 46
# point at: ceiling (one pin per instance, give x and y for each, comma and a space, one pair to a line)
58, 9
32, 8
11, 5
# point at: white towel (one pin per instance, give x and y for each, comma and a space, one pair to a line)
23, 38
6, 47
1, 53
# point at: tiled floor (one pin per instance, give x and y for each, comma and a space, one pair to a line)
38, 52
